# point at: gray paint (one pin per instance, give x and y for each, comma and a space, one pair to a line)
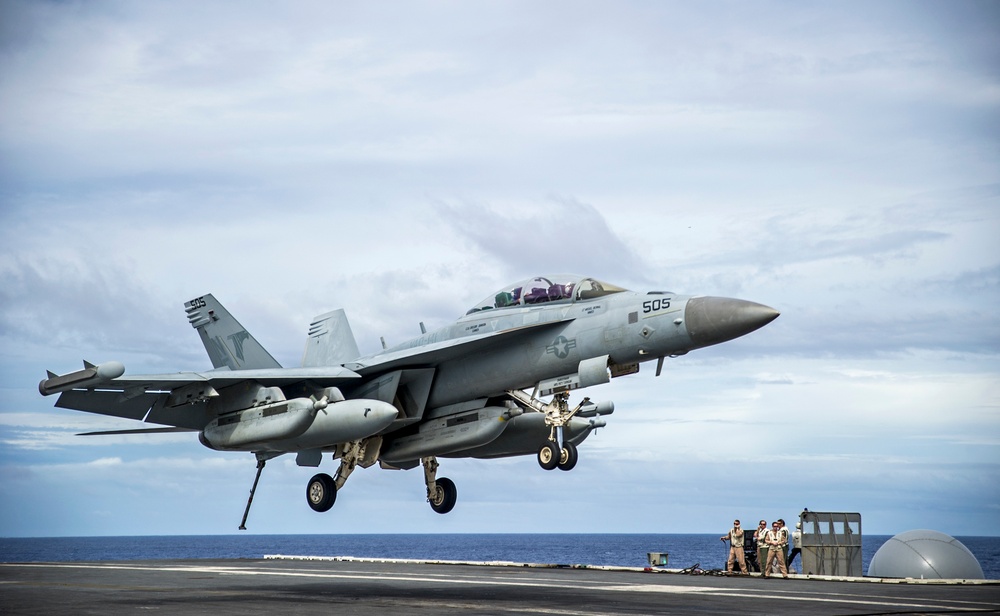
451, 392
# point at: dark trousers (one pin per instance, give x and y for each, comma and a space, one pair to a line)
791, 557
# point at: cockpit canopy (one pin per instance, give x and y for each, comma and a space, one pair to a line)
562, 288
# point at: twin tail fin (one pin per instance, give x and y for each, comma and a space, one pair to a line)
228, 343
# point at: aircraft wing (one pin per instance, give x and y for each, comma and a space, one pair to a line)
326, 376
437, 352
180, 399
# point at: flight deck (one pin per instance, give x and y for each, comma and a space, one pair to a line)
342, 585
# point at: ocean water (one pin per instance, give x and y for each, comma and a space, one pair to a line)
591, 549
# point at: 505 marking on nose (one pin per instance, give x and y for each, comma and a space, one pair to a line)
655, 305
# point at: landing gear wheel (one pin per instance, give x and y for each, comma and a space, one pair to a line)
568, 457
321, 492
548, 455
444, 497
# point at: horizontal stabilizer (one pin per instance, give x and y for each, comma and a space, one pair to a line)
147, 397
138, 431
330, 342
111, 403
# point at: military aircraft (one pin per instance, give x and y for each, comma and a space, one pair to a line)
460, 391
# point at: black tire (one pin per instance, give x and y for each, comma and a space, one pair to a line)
568, 457
548, 456
321, 492
446, 496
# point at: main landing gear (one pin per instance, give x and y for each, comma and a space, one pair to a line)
321, 491
441, 493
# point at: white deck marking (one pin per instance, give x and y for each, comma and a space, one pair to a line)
498, 580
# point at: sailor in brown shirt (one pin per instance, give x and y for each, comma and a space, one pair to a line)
777, 539
760, 535
735, 538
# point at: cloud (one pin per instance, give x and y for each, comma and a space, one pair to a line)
65, 431
558, 235
839, 165
96, 309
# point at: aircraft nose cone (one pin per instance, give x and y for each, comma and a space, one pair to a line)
711, 320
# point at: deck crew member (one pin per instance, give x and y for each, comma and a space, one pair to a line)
796, 543
760, 536
777, 538
735, 537
785, 538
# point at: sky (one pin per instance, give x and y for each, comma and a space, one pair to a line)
837, 161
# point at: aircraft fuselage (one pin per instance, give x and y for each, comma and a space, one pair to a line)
628, 327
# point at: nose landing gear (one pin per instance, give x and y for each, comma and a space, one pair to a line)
568, 456
552, 454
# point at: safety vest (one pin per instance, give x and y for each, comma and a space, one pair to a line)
736, 537
770, 537
783, 536
761, 537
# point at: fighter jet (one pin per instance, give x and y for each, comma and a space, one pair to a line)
493, 384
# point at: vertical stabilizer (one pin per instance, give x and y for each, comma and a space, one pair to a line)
228, 343
330, 342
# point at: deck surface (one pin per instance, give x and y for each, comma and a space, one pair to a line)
291, 586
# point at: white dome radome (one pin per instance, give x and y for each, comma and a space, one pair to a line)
925, 554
